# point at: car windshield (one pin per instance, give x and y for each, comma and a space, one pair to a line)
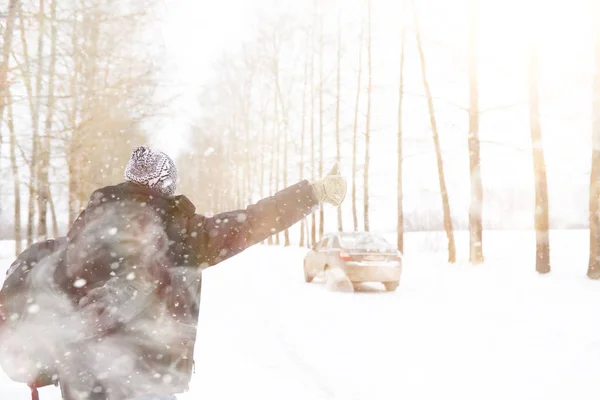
364, 241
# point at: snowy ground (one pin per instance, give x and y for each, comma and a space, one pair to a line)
497, 331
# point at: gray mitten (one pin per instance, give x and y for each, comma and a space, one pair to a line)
331, 188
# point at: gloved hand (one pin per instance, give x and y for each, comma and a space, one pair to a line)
331, 188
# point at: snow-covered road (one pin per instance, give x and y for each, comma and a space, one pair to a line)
497, 331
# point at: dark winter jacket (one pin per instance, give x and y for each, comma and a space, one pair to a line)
200, 241
133, 264
16, 296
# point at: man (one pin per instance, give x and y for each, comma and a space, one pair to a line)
131, 273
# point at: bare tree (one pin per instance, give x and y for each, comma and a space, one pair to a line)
307, 236
321, 111
53, 215
542, 236
263, 148
337, 109
594, 213
313, 230
247, 99
114, 80
400, 224
355, 133
277, 155
438, 152
73, 146
303, 133
248, 172
34, 100
368, 123
6, 49
38, 166
16, 180
284, 112
273, 163
476, 205
84, 87
5, 61
43, 182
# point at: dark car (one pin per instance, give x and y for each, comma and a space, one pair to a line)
362, 256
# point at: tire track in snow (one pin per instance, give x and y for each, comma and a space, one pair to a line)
284, 343
288, 348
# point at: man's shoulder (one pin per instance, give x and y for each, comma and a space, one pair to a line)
105, 193
185, 205
131, 191
125, 191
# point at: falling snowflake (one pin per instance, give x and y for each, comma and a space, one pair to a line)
33, 309
79, 283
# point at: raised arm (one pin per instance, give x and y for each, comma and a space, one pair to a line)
215, 239
227, 234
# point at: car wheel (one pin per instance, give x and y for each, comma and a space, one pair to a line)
336, 280
307, 277
390, 286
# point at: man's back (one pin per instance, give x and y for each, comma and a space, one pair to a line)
126, 272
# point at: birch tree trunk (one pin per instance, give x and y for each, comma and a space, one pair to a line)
44, 184
594, 201
476, 204
16, 180
277, 155
7, 36
368, 123
541, 219
355, 133
337, 112
321, 111
303, 135
34, 100
313, 227
73, 146
272, 169
400, 222
438, 151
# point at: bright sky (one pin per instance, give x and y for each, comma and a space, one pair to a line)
196, 32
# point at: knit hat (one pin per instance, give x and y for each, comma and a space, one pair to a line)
153, 169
